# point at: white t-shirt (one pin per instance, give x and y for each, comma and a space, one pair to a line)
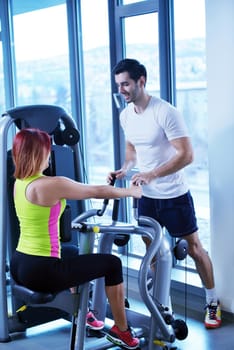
150, 133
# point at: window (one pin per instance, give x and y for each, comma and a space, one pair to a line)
141, 43
42, 72
192, 101
2, 89
41, 51
98, 118
140, 40
126, 2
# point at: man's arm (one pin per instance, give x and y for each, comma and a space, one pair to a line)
183, 157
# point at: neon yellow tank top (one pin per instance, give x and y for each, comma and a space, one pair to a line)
39, 225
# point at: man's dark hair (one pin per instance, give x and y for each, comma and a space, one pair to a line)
134, 68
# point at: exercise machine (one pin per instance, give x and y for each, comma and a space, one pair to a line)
157, 331
27, 307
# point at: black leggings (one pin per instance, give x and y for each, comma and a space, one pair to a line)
46, 274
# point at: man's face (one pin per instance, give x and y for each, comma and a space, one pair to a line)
130, 89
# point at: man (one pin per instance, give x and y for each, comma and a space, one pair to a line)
157, 141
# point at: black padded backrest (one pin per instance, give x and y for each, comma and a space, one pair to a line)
13, 223
62, 164
52, 119
44, 117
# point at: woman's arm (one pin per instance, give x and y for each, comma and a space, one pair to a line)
70, 189
49, 190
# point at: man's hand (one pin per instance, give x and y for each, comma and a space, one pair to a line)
143, 178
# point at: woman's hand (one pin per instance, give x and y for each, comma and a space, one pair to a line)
136, 190
118, 174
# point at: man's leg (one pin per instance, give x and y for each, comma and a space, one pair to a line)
201, 259
205, 270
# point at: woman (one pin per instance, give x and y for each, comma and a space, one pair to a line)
39, 202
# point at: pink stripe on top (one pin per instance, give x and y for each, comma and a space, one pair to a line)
53, 230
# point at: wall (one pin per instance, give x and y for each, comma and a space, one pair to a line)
220, 64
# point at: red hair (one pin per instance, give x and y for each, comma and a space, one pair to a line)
30, 147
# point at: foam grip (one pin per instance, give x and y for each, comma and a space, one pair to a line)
65, 133
180, 328
181, 249
121, 239
58, 136
70, 136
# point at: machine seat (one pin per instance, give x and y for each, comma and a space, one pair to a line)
31, 297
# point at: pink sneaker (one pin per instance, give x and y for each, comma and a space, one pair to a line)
92, 322
124, 339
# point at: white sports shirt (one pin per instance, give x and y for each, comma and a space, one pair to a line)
150, 133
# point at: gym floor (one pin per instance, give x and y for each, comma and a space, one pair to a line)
56, 335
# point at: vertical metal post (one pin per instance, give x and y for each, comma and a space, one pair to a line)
4, 329
86, 247
8, 53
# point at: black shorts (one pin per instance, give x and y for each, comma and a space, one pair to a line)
177, 215
48, 274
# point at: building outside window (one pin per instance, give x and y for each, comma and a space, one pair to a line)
42, 57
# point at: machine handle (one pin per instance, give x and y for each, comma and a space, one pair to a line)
106, 201
135, 203
115, 212
112, 182
135, 208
